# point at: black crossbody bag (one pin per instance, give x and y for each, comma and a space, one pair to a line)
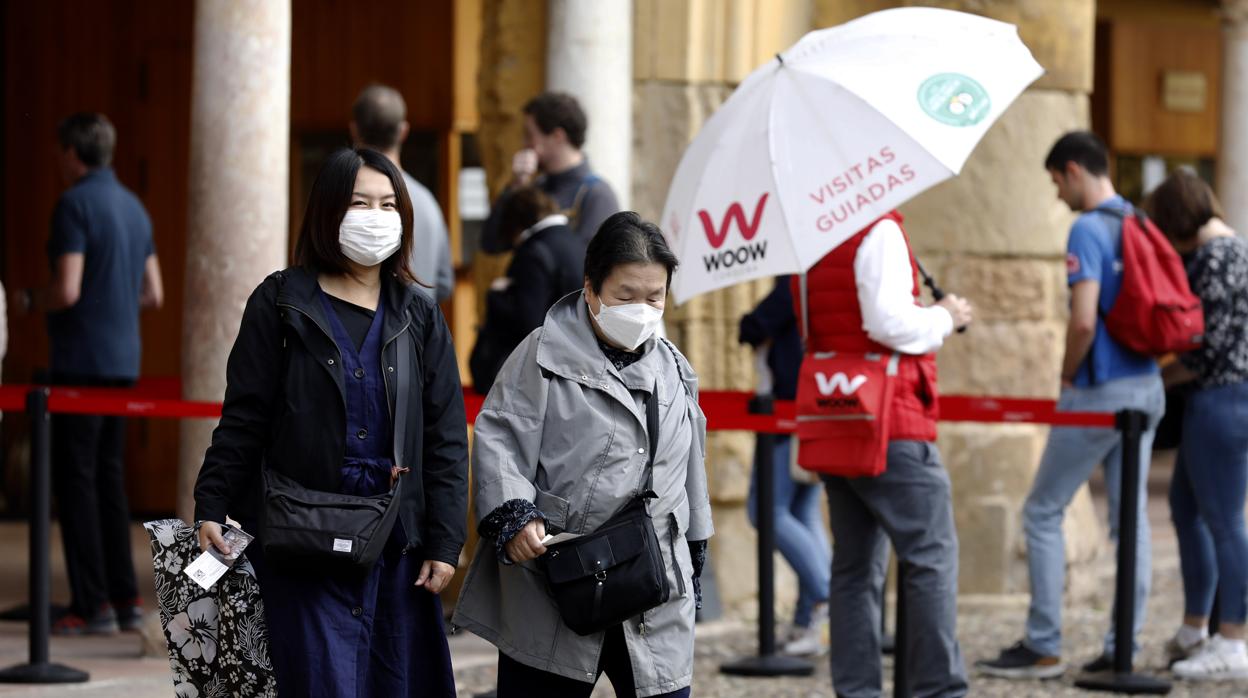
302, 526
603, 578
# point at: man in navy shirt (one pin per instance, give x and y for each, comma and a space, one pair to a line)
1098, 375
104, 270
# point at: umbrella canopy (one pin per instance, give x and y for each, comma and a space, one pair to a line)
841, 128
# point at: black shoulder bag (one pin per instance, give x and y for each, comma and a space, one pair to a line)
302, 526
603, 578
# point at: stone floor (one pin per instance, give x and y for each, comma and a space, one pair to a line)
985, 625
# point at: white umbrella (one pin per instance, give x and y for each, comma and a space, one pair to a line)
841, 128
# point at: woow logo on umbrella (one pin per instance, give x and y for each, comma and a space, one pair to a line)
726, 259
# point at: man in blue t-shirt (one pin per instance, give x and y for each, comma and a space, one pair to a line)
1098, 375
104, 270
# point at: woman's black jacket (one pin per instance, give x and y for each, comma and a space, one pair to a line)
546, 267
285, 409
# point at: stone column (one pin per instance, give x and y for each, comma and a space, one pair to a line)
1233, 149
688, 57
237, 227
589, 54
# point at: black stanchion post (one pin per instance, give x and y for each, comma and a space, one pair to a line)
1132, 424
39, 669
767, 663
901, 682
1215, 614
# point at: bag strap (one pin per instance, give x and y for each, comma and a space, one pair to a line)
652, 426
578, 202
401, 398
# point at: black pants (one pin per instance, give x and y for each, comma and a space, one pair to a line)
516, 680
88, 476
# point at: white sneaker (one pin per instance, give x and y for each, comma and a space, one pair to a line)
812, 640
1186, 643
1220, 660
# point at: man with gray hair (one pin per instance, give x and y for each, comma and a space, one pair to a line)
379, 121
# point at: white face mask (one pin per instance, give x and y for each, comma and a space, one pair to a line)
369, 236
628, 325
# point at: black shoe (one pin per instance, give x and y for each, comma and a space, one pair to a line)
104, 622
1021, 662
129, 615
1100, 665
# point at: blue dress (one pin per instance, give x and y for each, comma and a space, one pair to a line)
343, 634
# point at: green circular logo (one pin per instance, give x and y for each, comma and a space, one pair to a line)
954, 99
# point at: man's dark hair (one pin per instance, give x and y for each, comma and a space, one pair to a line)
625, 238
1182, 205
318, 247
1083, 148
522, 208
379, 112
91, 136
552, 110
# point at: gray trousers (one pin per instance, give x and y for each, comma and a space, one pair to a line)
911, 505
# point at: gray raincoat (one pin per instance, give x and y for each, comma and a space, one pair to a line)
564, 429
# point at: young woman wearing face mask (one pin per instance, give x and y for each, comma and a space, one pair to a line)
561, 445
311, 390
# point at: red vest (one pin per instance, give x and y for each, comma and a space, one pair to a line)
836, 325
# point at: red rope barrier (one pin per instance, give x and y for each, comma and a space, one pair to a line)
725, 410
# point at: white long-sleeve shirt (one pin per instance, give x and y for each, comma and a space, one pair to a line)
886, 295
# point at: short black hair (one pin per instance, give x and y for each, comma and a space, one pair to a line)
552, 110
91, 135
625, 238
1083, 148
318, 248
379, 113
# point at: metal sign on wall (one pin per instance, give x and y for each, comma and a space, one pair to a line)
1184, 91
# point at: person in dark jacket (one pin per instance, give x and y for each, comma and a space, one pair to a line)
312, 385
1210, 480
548, 264
555, 127
800, 537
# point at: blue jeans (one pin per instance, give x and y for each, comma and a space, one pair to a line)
800, 532
1070, 457
1207, 502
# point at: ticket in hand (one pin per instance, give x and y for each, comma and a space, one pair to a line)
212, 564
553, 539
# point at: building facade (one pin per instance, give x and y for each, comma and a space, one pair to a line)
225, 108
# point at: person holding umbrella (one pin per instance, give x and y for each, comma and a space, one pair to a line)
860, 300
801, 172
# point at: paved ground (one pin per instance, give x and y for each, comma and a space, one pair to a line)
985, 625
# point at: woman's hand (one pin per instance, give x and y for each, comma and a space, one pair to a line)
210, 532
527, 544
434, 575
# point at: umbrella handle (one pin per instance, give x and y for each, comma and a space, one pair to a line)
937, 292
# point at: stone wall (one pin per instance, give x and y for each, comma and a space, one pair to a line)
996, 234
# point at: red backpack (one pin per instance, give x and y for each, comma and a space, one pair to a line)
1156, 312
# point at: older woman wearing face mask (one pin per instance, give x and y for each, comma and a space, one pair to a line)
562, 445
330, 355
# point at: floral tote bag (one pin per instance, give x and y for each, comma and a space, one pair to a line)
218, 642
